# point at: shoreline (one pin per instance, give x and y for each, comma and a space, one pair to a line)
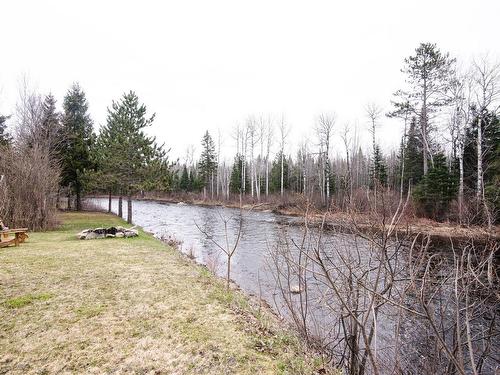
157, 309
440, 233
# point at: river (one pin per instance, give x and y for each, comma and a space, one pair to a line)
198, 227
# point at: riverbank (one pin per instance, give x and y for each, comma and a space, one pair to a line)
409, 225
130, 305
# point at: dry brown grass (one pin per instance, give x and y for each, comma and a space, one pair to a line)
129, 306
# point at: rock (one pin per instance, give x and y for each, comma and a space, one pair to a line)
131, 233
91, 236
112, 232
295, 289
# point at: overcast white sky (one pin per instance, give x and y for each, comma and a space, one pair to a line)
209, 64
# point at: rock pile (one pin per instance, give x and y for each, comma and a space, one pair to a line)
112, 232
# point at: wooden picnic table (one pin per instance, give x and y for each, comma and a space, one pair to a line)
19, 236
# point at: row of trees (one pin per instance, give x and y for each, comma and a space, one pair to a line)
121, 160
449, 149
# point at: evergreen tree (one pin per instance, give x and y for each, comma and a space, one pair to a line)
413, 165
378, 169
50, 127
126, 154
77, 142
208, 162
5, 138
429, 74
236, 175
184, 183
436, 190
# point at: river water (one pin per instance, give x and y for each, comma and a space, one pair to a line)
185, 223
198, 227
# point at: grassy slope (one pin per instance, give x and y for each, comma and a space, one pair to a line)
128, 305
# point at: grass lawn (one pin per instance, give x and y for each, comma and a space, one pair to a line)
129, 306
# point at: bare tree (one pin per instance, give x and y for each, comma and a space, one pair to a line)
284, 130
226, 246
486, 76
324, 130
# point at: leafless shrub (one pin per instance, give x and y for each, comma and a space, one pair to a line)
190, 253
171, 241
228, 246
213, 262
381, 301
28, 189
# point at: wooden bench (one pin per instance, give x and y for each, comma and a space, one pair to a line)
6, 239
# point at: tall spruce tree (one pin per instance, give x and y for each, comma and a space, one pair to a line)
413, 171
378, 169
208, 163
77, 142
235, 181
128, 157
50, 126
184, 184
437, 189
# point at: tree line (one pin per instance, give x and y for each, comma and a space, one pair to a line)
447, 162
448, 159
71, 159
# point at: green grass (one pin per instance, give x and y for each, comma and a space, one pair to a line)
21, 301
130, 305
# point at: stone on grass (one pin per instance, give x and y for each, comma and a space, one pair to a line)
112, 232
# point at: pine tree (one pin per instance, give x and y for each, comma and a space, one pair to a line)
5, 138
437, 189
131, 158
50, 127
208, 163
413, 171
184, 184
77, 142
237, 175
378, 169
429, 73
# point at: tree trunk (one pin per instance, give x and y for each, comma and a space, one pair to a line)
327, 182
120, 206
267, 175
479, 188
282, 171
461, 187
69, 198
78, 198
58, 198
228, 276
109, 202
129, 208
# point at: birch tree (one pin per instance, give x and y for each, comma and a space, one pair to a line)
486, 76
284, 130
324, 130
